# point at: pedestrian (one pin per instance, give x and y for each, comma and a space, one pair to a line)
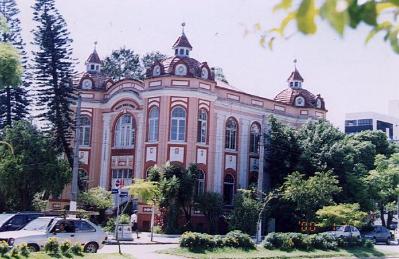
133, 221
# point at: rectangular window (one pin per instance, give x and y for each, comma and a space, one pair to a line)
365, 122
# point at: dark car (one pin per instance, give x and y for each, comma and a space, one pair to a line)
16, 221
379, 234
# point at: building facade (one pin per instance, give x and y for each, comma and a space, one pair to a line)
361, 121
181, 114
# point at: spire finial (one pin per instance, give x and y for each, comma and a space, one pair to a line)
182, 27
95, 45
295, 61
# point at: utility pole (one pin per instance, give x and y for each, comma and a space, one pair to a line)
75, 168
260, 175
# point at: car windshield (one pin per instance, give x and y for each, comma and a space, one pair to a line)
38, 224
341, 228
4, 218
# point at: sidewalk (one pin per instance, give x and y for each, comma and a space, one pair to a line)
145, 239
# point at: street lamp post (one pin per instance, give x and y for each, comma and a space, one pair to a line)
75, 168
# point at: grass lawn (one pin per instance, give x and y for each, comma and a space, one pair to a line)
264, 253
41, 255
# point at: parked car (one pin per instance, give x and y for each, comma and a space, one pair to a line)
16, 221
37, 232
379, 234
345, 231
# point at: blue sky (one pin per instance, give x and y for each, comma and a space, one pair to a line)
350, 75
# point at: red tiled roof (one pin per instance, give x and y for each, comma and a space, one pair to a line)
288, 96
182, 41
94, 58
295, 76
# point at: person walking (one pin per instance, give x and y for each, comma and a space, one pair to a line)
133, 221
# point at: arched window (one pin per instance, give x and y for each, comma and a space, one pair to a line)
228, 189
83, 181
178, 124
153, 119
200, 183
300, 101
124, 132
231, 134
254, 137
84, 132
181, 69
202, 126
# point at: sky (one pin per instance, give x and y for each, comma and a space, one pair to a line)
350, 75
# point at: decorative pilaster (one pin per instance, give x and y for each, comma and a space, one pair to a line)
218, 172
106, 146
244, 148
139, 147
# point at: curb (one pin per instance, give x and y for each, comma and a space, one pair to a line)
144, 243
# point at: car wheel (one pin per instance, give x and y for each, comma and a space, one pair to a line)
91, 247
387, 241
33, 248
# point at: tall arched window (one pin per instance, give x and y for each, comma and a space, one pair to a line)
153, 120
231, 134
254, 137
178, 124
83, 181
124, 132
202, 126
84, 132
228, 189
200, 183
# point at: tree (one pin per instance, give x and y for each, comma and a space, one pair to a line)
95, 199
150, 58
53, 69
147, 192
10, 66
282, 151
34, 167
309, 195
123, 63
380, 16
341, 214
384, 184
14, 98
247, 207
211, 205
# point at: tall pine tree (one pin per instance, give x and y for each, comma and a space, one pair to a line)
14, 101
53, 71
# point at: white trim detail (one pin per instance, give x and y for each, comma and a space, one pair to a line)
106, 146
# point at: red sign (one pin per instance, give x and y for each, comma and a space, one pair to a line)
117, 183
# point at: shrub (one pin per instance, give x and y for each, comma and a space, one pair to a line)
239, 240
66, 247
287, 241
24, 249
77, 249
110, 225
194, 240
368, 244
219, 241
3, 248
14, 251
52, 246
347, 242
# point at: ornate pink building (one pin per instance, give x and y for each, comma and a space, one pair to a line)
180, 113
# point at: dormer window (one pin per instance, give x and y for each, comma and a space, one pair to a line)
318, 103
92, 67
181, 70
176, 51
300, 101
291, 84
156, 71
204, 73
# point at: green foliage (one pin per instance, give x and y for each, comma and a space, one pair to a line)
110, 225
35, 167
3, 248
124, 219
211, 205
10, 66
247, 207
52, 247
65, 247
379, 16
342, 214
199, 241
24, 249
95, 199
146, 191
237, 239
122, 63
53, 70
150, 58
309, 195
38, 203
77, 249
14, 252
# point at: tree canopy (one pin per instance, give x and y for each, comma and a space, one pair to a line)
10, 66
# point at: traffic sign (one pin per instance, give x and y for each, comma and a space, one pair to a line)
114, 191
123, 194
